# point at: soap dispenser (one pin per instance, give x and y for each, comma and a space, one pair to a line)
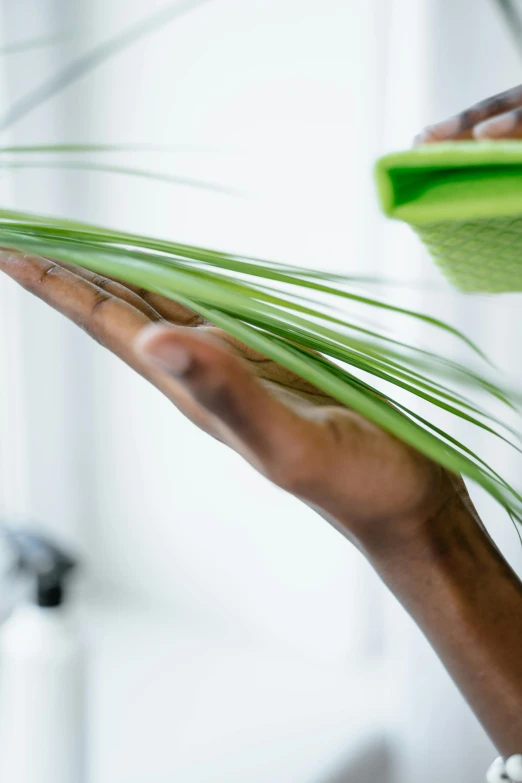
42, 671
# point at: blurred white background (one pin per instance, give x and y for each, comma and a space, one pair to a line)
235, 636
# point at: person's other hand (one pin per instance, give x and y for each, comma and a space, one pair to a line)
499, 117
364, 481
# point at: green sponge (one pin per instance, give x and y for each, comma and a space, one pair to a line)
464, 200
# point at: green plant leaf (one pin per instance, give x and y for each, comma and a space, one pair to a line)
122, 170
295, 319
58, 149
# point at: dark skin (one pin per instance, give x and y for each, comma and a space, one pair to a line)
413, 521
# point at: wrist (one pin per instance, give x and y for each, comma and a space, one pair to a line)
448, 574
450, 543
450, 567
422, 526
467, 601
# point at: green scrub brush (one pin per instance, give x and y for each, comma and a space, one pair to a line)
464, 200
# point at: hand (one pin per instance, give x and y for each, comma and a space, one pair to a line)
366, 482
499, 117
409, 517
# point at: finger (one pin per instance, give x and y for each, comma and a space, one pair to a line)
246, 416
461, 127
115, 288
505, 126
107, 318
163, 307
115, 323
171, 311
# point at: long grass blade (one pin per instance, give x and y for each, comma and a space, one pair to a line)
245, 267
29, 44
58, 149
299, 326
513, 17
121, 170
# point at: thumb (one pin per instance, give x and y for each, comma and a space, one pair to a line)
247, 417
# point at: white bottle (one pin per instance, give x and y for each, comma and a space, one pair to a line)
42, 676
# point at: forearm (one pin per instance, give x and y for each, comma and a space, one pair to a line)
467, 600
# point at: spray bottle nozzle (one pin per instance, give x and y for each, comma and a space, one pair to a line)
40, 558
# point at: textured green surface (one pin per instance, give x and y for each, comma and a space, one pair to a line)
464, 200
478, 255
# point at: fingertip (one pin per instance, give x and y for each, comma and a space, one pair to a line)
441, 131
424, 137
212, 376
154, 336
429, 135
149, 336
161, 346
182, 351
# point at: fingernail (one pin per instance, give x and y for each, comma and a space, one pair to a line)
496, 127
172, 358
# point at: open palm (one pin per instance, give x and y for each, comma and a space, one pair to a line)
354, 473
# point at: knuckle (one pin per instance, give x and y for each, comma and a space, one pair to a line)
99, 299
468, 118
89, 323
100, 282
